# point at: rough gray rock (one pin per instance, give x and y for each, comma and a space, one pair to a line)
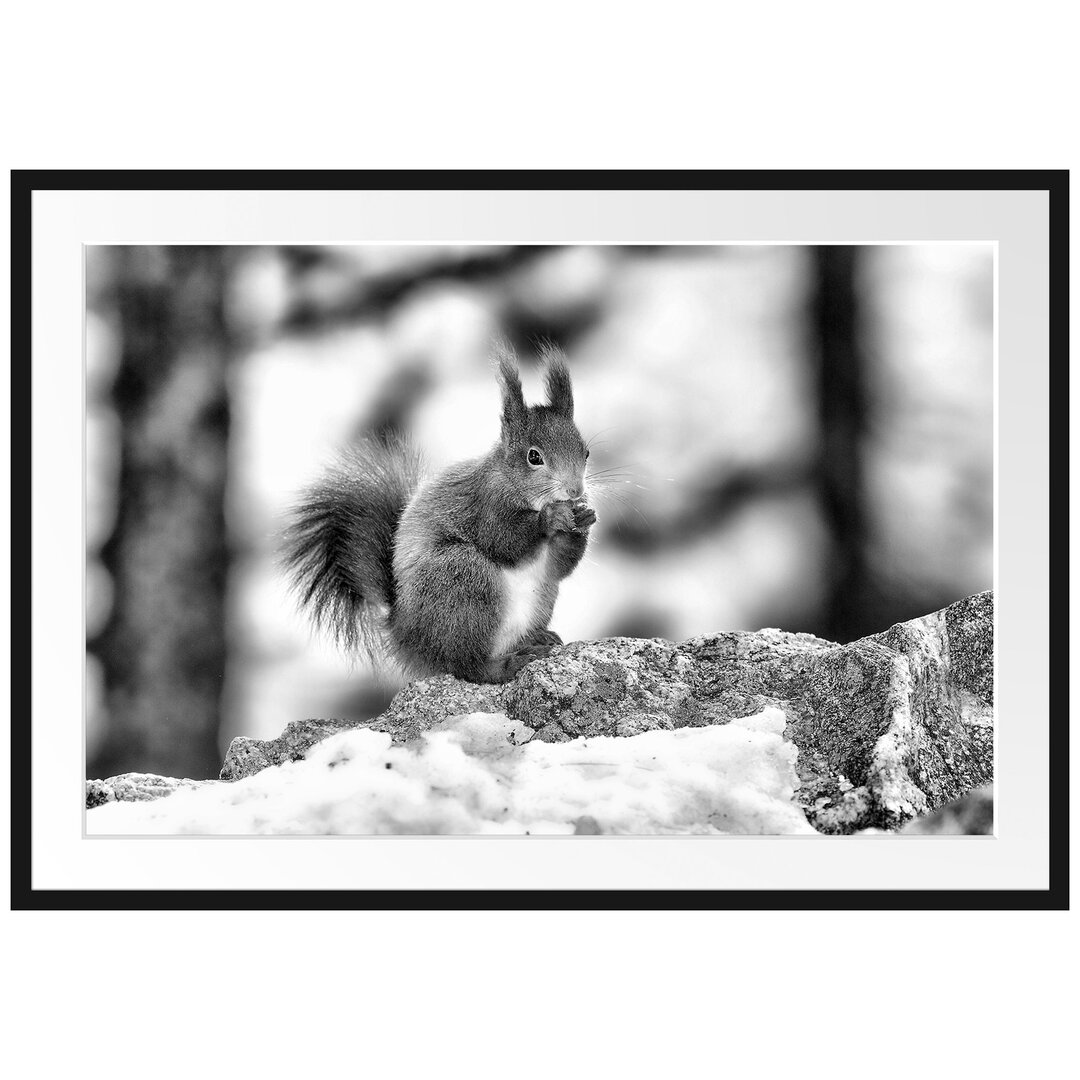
971, 815
423, 704
889, 728
135, 787
418, 707
245, 756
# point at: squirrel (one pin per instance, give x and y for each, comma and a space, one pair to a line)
459, 573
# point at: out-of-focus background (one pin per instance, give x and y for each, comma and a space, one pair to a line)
803, 438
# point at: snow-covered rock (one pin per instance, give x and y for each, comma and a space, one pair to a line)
484, 773
733, 732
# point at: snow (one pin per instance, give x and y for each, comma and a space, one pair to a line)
483, 773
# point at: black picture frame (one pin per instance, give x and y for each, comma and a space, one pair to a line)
24, 183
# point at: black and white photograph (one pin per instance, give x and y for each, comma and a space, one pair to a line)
540, 540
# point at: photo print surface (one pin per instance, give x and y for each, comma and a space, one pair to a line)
350, 570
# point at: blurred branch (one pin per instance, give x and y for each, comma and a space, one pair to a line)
711, 507
374, 296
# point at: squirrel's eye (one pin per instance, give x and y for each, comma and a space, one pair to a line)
536, 459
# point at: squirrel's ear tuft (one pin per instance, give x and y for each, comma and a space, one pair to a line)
514, 413
557, 379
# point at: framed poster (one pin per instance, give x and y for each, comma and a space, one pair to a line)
807, 663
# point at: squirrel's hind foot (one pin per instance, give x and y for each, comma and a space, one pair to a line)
502, 669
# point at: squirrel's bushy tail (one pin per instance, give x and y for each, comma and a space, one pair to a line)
339, 544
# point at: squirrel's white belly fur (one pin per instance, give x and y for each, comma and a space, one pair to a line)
523, 591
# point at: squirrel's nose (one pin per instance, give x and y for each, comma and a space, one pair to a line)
574, 491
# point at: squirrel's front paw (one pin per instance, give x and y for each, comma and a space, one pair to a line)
584, 516
558, 517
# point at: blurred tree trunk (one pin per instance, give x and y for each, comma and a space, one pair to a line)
163, 648
850, 610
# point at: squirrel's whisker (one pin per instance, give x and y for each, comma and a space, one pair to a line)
597, 435
624, 503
